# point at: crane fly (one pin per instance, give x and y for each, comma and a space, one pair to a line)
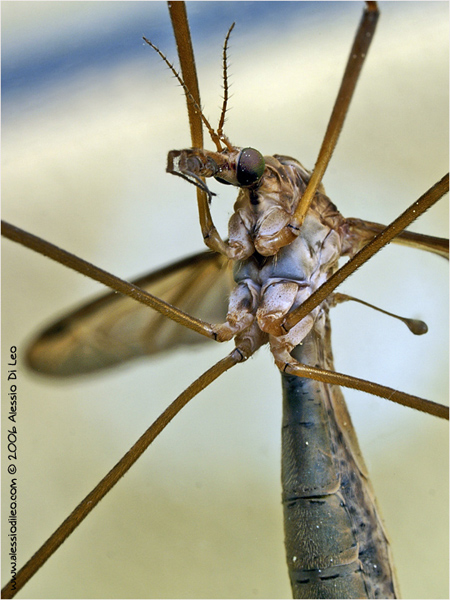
175, 500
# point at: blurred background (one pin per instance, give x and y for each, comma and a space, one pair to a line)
89, 113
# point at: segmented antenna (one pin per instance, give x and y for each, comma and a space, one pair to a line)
214, 136
225, 87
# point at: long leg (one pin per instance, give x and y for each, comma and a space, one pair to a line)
356, 184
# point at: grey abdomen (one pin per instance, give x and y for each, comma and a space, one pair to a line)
335, 543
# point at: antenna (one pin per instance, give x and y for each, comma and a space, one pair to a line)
217, 137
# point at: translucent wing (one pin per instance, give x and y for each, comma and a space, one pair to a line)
114, 328
366, 230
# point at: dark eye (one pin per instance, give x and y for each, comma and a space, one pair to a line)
250, 167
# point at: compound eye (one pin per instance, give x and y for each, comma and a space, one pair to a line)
250, 167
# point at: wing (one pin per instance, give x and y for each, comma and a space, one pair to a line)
361, 232
114, 328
